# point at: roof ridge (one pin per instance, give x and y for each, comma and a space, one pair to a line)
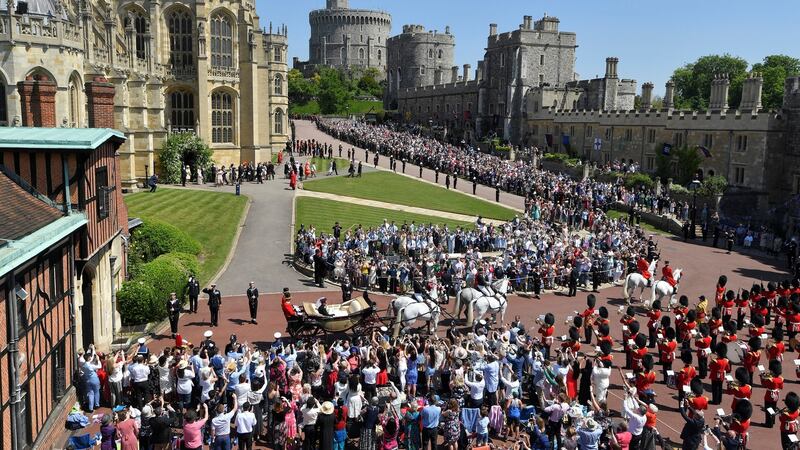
27, 187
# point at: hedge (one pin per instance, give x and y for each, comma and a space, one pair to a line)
154, 238
143, 299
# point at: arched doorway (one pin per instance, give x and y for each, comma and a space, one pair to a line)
87, 314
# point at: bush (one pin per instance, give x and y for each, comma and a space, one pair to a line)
677, 189
638, 179
562, 157
180, 149
166, 274
713, 186
138, 303
153, 239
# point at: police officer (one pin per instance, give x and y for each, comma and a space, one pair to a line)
482, 284
347, 289
214, 302
419, 289
174, 313
252, 301
193, 289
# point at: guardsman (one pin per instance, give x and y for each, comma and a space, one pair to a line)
214, 302
174, 313
252, 301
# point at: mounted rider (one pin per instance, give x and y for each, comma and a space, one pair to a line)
482, 284
652, 249
666, 272
643, 267
418, 284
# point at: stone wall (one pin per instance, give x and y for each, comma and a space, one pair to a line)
419, 58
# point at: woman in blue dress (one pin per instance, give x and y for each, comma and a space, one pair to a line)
411, 373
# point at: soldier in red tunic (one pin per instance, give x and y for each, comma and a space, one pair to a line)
789, 419
773, 383
719, 367
703, 344
644, 269
720, 289
685, 375
654, 315
666, 272
546, 330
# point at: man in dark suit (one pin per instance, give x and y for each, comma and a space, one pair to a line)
193, 289
214, 302
574, 274
174, 313
252, 301
322, 307
319, 269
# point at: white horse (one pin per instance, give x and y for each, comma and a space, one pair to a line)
635, 281
426, 311
661, 289
401, 302
466, 296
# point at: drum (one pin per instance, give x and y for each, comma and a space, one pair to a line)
735, 352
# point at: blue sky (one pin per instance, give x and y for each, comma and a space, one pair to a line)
651, 38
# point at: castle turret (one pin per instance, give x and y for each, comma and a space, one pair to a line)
336, 4
751, 92
719, 93
492, 29
647, 95
669, 95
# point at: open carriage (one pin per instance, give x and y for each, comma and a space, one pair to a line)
358, 315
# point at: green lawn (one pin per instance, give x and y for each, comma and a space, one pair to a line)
322, 165
212, 218
323, 213
392, 188
356, 107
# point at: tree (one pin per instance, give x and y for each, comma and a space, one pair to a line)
693, 80
774, 70
182, 149
368, 83
301, 89
687, 162
334, 95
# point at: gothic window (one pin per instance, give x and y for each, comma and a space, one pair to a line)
138, 22
74, 103
430, 53
179, 25
279, 55
502, 59
221, 117
278, 121
361, 53
221, 41
440, 54
379, 56
278, 84
343, 54
181, 104
3, 105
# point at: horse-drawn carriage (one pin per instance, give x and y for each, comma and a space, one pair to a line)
358, 315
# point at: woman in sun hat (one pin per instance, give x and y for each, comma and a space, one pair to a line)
325, 422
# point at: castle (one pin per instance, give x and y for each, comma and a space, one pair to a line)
346, 38
203, 66
525, 91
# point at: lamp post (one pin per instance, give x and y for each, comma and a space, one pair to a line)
693, 186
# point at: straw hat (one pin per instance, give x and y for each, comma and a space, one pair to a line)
182, 364
153, 360
591, 424
460, 353
326, 408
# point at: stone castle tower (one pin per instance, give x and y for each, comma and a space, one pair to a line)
347, 38
419, 58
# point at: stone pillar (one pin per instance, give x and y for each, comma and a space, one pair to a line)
526, 22
719, 92
479, 75
611, 67
454, 74
669, 95
467, 68
492, 29
38, 101
100, 103
647, 95
751, 92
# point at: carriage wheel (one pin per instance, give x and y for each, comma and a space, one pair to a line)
307, 331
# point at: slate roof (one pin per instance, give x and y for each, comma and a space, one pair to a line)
57, 138
22, 213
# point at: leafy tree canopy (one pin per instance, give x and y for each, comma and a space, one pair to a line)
774, 70
182, 149
334, 93
693, 80
301, 89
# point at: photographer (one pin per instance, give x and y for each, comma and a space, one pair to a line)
693, 429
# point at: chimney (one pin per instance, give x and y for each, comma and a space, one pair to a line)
719, 93
479, 73
38, 101
526, 22
454, 74
492, 29
751, 92
447, 29
100, 103
467, 67
669, 95
647, 95
611, 67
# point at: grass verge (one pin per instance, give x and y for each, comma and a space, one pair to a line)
355, 107
392, 188
323, 213
212, 218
